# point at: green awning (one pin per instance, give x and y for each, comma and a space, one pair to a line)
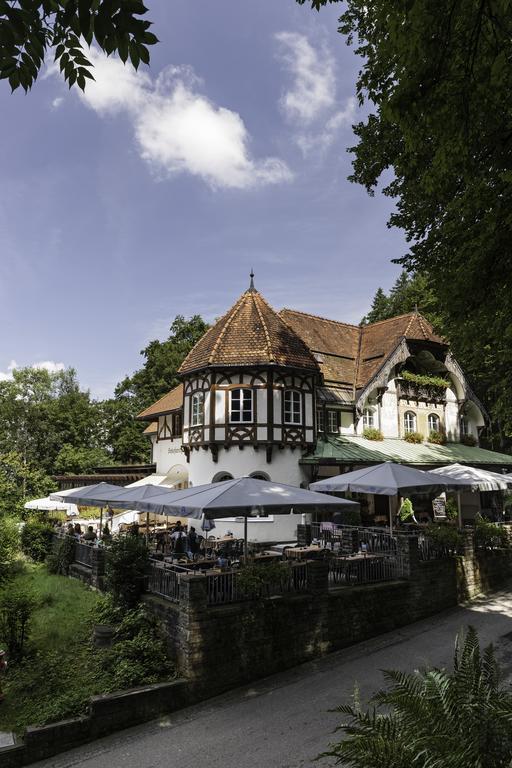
345, 449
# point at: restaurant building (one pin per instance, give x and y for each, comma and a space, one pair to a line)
293, 397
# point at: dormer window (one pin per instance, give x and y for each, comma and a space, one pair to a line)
292, 407
241, 405
197, 409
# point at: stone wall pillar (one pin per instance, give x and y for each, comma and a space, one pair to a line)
409, 553
98, 568
318, 576
189, 640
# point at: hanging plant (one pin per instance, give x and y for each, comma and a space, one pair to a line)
424, 380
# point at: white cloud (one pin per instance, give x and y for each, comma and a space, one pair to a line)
310, 104
47, 365
6, 375
178, 129
313, 88
57, 102
50, 366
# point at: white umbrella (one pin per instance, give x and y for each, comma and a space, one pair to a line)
49, 505
476, 479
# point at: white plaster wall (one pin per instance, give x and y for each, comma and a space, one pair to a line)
284, 467
309, 410
261, 405
167, 453
347, 423
220, 399
270, 529
451, 417
389, 412
277, 406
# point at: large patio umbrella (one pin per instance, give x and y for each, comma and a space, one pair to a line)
120, 497
476, 479
387, 479
243, 496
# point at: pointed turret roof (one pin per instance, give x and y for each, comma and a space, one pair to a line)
250, 333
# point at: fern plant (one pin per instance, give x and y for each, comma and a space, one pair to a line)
434, 718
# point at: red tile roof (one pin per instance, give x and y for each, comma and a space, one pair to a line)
169, 402
251, 333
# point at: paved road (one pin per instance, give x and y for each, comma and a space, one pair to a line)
284, 721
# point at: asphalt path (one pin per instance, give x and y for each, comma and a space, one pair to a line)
284, 721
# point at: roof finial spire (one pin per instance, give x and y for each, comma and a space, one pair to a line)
251, 286
415, 309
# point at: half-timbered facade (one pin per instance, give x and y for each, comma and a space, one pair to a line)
291, 396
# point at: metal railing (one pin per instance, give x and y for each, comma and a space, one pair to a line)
83, 554
165, 581
352, 571
226, 587
348, 539
434, 550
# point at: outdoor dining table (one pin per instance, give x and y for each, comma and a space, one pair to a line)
301, 553
267, 557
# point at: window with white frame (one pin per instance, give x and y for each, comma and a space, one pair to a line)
434, 422
409, 422
332, 421
463, 426
320, 421
197, 409
292, 407
368, 418
241, 402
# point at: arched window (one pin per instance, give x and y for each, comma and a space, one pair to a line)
434, 422
292, 407
240, 409
409, 422
221, 476
259, 475
197, 409
368, 418
463, 426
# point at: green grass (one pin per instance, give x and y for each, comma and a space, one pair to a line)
61, 670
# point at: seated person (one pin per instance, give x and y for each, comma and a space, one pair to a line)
90, 534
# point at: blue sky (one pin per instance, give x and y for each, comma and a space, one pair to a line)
156, 193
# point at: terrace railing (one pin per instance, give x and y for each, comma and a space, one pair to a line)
348, 539
164, 581
83, 554
350, 572
228, 587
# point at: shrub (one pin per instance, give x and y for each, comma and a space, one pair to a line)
438, 438
36, 539
126, 567
371, 433
432, 718
9, 545
468, 440
413, 437
490, 535
60, 559
452, 510
16, 609
350, 516
139, 655
257, 579
445, 536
